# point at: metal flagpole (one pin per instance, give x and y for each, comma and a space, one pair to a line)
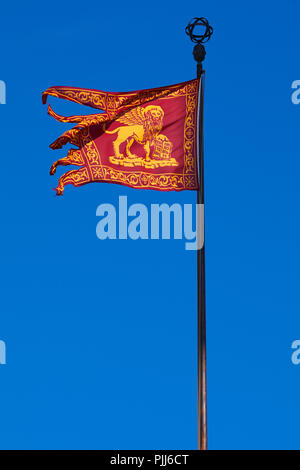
199, 55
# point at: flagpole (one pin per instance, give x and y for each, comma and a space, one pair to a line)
199, 55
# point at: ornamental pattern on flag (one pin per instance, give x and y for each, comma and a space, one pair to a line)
144, 139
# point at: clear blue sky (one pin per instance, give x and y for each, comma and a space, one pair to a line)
101, 336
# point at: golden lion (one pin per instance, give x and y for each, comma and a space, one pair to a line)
142, 126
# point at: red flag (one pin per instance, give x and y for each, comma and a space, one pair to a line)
144, 139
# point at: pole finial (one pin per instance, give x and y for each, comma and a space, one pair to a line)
199, 50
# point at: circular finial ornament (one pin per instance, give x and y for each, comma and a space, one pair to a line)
199, 38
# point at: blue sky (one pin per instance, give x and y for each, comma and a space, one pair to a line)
101, 335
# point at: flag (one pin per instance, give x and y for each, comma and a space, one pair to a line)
143, 139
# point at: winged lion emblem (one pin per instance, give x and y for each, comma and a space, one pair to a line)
142, 125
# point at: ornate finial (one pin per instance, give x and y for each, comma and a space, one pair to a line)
199, 39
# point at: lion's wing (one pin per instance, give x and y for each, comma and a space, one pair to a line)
133, 117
